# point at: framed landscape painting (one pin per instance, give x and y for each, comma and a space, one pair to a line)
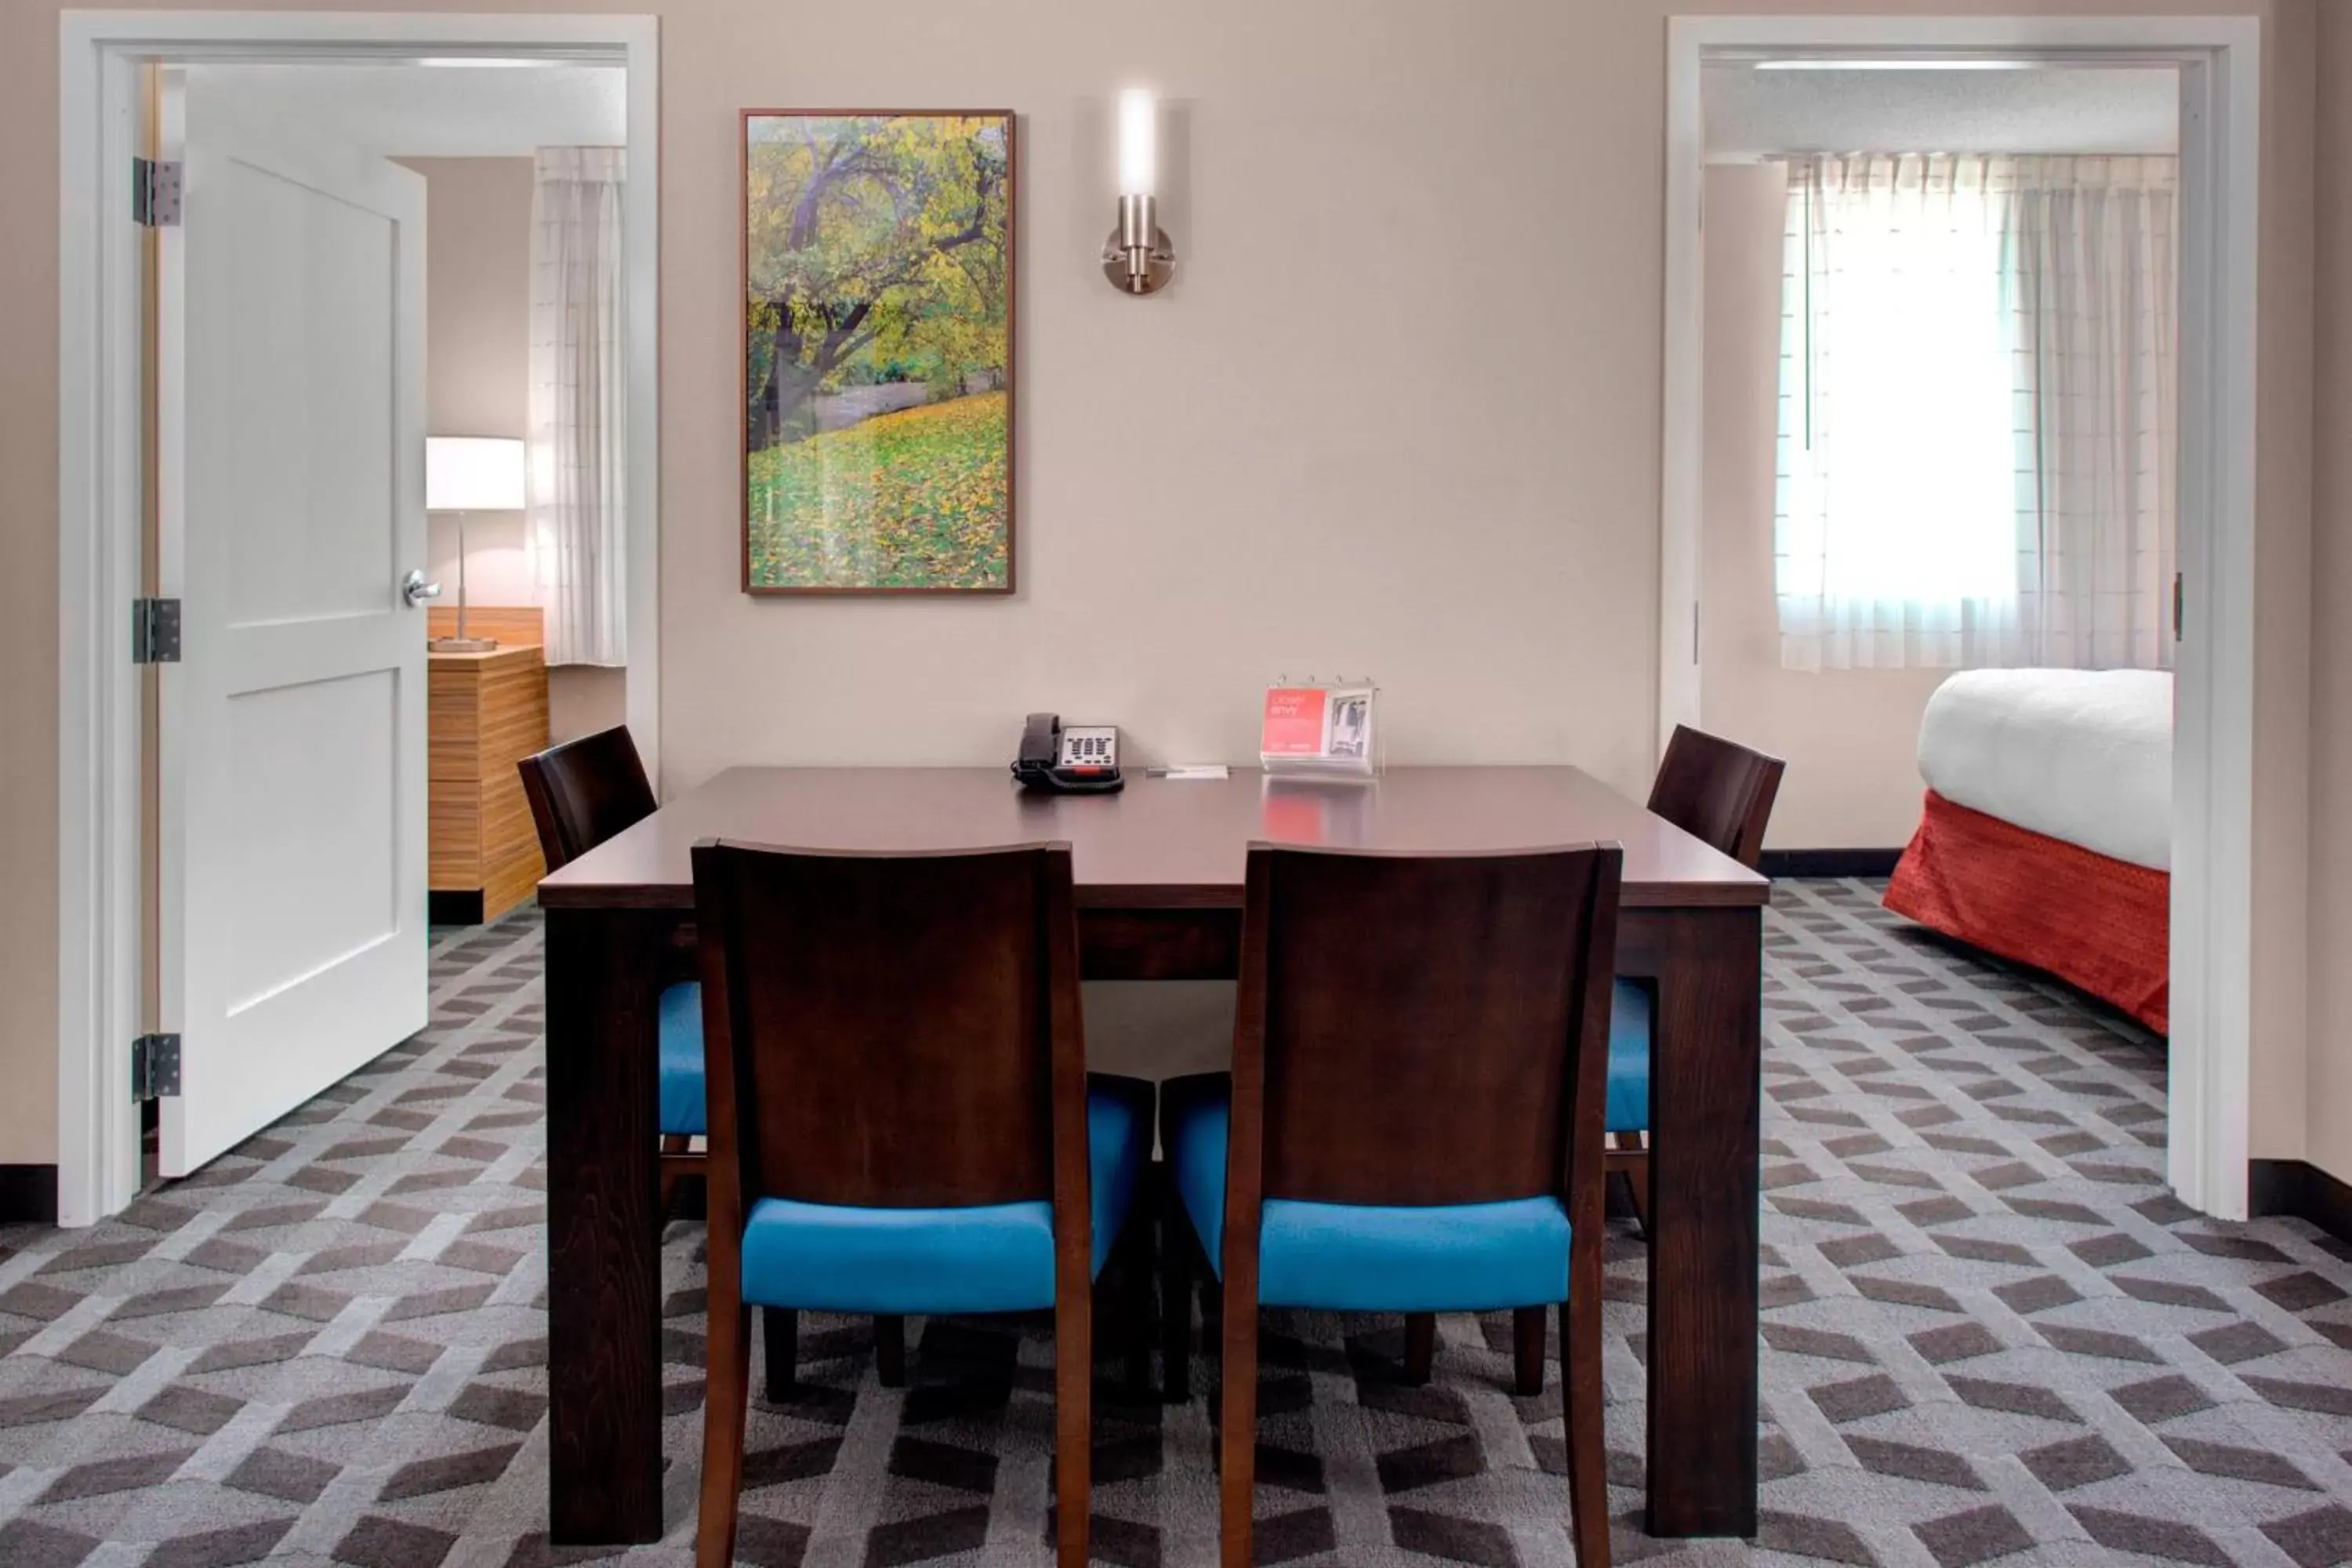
878, 352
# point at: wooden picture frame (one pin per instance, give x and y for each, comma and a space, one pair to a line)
879, 407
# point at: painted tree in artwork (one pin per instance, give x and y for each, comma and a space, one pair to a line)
875, 252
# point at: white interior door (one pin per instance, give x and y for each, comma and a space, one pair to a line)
290, 459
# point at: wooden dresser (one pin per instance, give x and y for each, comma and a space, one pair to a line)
486, 712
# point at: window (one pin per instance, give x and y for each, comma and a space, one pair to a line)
1975, 411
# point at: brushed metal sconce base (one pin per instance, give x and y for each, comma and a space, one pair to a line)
1138, 271
1136, 257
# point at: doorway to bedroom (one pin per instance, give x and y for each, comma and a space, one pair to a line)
1940, 426
1948, 392
1941, 437
471, 203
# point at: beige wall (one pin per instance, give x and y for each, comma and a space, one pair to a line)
582, 698
1356, 434
1849, 736
478, 349
2327, 1105
1400, 412
477, 364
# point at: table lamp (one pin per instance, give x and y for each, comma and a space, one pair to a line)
467, 474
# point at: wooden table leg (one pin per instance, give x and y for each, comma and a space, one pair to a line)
604, 1225
1705, 1088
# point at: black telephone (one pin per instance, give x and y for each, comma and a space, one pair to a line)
1077, 759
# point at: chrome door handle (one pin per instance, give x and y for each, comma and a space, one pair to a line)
416, 589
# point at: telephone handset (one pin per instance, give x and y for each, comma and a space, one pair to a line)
1076, 759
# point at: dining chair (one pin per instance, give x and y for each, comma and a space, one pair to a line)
1412, 1123
585, 791
582, 793
901, 1120
1720, 793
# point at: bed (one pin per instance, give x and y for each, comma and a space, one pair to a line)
2046, 837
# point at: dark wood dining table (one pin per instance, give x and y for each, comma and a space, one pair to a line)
1160, 871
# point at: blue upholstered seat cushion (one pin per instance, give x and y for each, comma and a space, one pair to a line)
1628, 1058
993, 1257
683, 1107
1358, 1257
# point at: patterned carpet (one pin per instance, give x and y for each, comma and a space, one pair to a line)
1989, 1333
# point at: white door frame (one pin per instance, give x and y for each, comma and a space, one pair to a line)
2213, 742
101, 501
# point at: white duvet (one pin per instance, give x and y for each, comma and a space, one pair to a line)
2079, 754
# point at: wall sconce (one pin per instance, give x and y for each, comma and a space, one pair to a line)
1137, 257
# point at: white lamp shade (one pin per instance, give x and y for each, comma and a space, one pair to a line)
473, 473
1139, 141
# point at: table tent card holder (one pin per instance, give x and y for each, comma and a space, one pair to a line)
1321, 729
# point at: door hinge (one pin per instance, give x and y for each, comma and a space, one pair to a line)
155, 192
155, 1067
154, 631
2178, 611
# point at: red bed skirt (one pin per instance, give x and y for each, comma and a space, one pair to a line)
2099, 923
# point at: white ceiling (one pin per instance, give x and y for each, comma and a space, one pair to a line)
442, 111
2084, 109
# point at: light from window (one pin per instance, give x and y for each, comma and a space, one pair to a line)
1898, 437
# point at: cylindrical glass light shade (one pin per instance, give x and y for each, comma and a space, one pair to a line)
1138, 149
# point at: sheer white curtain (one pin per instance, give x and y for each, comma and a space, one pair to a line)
1897, 475
2092, 272
577, 494
1975, 451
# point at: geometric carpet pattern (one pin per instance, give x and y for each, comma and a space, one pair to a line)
1988, 1334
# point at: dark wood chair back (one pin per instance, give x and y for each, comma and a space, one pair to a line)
904, 1030
585, 791
1719, 791
1426, 1028
1421, 1029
